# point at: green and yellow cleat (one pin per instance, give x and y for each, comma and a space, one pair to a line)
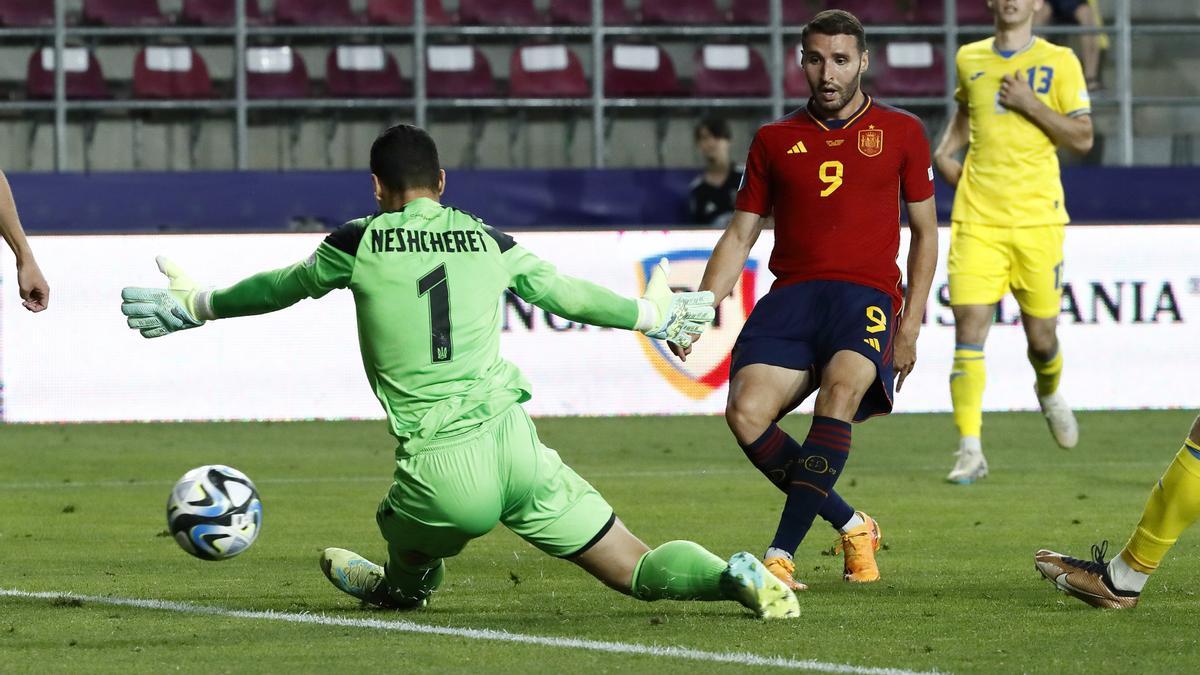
749, 582
354, 575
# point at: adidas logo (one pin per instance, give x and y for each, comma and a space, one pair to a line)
797, 149
874, 342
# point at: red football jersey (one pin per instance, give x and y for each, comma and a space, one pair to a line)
835, 193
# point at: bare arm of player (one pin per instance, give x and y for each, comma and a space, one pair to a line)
954, 139
35, 292
1074, 133
727, 261
922, 259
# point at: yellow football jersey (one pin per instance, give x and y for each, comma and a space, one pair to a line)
1011, 175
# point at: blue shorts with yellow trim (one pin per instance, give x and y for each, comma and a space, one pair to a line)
803, 325
987, 261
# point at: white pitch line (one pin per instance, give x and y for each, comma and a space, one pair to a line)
736, 658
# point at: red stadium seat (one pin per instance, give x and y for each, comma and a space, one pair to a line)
315, 13
579, 12
275, 72
364, 71
400, 13
874, 12
218, 12
123, 13
498, 13
795, 84
85, 79
542, 70
639, 70
730, 70
458, 71
909, 69
681, 12
171, 72
758, 12
968, 12
972, 12
26, 13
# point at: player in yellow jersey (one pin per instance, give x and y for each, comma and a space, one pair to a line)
1019, 98
1174, 504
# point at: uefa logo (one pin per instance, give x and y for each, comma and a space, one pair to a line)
707, 367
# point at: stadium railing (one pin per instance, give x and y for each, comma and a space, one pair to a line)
777, 36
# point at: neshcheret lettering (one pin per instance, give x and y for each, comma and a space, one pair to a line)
400, 240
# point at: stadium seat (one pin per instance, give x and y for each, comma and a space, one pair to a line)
874, 12
909, 69
639, 70
968, 12
276, 72
85, 79
458, 71
123, 13
315, 13
498, 13
26, 13
364, 71
218, 12
681, 12
579, 12
758, 12
400, 13
170, 72
730, 70
543, 70
795, 84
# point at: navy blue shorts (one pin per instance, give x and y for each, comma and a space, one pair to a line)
803, 325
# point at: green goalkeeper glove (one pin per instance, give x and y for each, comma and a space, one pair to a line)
156, 312
674, 317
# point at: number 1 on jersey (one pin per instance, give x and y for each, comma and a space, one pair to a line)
831, 174
434, 284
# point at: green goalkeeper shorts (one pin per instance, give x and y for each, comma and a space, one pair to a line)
459, 488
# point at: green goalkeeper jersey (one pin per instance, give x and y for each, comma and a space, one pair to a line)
427, 283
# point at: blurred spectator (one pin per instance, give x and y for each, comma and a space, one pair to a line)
713, 193
1083, 13
35, 292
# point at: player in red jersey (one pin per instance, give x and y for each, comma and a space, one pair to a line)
831, 175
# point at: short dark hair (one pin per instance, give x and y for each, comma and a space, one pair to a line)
836, 22
405, 158
717, 126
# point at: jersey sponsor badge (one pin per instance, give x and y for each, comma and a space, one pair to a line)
870, 141
707, 367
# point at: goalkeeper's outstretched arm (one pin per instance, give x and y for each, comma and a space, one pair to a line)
659, 313
156, 312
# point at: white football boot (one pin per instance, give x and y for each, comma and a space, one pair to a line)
971, 464
1061, 420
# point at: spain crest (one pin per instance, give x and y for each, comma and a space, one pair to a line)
707, 367
870, 141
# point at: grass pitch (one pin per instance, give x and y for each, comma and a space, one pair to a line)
82, 511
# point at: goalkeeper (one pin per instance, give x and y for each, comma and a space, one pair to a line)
426, 280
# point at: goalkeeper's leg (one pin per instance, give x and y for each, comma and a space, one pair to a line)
683, 570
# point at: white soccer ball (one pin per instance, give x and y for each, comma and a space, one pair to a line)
214, 512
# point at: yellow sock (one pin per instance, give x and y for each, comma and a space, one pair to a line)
966, 388
1174, 504
1048, 372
